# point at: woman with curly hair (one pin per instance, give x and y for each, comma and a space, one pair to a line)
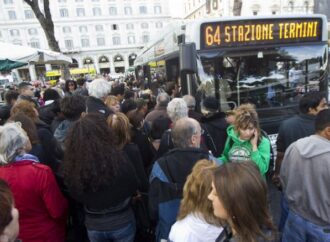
99, 176
196, 221
245, 141
239, 198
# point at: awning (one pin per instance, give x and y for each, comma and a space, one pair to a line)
7, 65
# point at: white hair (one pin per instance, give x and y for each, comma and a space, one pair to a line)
190, 100
13, 140
99, 88
176, 109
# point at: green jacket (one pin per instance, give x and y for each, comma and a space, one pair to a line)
238, 150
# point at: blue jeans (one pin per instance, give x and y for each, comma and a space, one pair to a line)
125, 234
298, 229
284, 212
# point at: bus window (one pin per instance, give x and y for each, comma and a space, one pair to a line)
267, 78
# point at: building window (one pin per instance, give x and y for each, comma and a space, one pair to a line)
85, 42
143, 10
32, 31
159, 25
14, 32
131, 39
100, 41
12, 15
80, 12
97, 12
145, 38
113, 11
83, 29
129, 26
128, 11
8, 1
98, 28
64, 12
114, 27
66, 29
306, 6
116, 40
157, 9
35, 44
68, 44
144, 25
290, 6
255, 12
28, 14
274, 12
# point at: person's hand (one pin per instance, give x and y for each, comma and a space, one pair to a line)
254, 140
276, 181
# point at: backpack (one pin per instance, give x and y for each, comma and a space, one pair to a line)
271, 166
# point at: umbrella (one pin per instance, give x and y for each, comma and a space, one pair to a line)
28, 54
7, 65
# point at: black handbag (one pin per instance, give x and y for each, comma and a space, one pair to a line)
145, 230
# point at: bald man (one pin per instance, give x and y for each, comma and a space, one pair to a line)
169, 174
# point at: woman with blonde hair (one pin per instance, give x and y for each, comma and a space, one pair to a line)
196, 221
120, 126
239, 198
112, 103
245, 141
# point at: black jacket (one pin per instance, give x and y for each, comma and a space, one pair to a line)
216, 127
53, 152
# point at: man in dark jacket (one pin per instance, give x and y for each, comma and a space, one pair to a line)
81, 89
215, 124
10, 99
51, 109
169, 174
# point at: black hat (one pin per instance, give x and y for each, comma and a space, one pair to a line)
211, 104
128, 105
95, 105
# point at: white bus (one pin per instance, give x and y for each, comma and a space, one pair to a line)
268, 61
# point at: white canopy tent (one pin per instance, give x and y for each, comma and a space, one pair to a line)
27, 54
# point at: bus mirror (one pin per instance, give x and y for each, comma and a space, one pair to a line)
188, 55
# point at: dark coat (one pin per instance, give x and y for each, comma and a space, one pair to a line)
216, 126
167, 179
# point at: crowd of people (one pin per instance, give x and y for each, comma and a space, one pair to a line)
105, 162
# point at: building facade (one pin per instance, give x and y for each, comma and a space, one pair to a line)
194, 9
101, 34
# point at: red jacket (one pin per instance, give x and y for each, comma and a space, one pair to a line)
41, 205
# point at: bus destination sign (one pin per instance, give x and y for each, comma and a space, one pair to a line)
260, 32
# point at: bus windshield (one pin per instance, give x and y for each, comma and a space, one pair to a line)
266, 77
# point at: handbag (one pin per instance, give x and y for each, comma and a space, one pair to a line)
145, 230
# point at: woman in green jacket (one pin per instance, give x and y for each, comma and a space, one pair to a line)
245, 141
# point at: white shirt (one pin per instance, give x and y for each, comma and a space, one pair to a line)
194, 229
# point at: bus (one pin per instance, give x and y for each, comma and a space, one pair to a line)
267, 61
54, 75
